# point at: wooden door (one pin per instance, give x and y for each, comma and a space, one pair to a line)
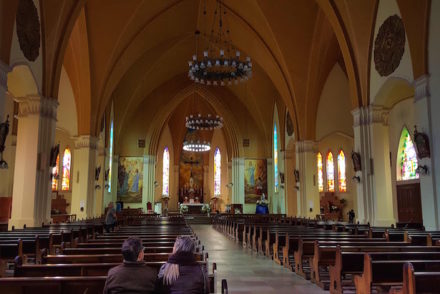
409, 203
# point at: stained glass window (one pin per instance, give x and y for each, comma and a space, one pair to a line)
217, 171
275, 157
166, 172
407, 157
342, 178
320, 173
330, 168
67, 160
110, 164
55, 173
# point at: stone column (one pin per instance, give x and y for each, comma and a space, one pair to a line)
238, 180
100, 184
290, 190
309, 205
149, 178
423, 118
36, 133
374, 191
6, 175
83, 187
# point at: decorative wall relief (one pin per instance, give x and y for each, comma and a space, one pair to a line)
28, 29
389, 45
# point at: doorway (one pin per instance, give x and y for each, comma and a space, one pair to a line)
409, 203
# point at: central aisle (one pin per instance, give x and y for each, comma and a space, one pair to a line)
245, 271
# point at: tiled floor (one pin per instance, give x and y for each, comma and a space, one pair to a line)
245, 271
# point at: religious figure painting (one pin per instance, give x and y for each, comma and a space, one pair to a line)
255, 179
130, 176
191, 177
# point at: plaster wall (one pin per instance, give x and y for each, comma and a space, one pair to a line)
386, 9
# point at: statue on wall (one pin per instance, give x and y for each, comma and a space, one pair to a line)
4, 131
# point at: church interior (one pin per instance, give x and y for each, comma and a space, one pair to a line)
248, 116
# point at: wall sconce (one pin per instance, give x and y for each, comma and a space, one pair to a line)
230, 185
156, 184
357, 179
422, 170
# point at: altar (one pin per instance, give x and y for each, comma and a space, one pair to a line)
194, 208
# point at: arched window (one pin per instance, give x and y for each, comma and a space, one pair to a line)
275, 157
407, 158
55, 174
342, 178
166, 172
330, 168
67, 160
217, 171
110, 163
320, 173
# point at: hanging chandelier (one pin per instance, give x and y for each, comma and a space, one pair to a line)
194, 143
221, 63
196, 146
200, 122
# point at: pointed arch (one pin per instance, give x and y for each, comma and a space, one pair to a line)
342, 177
166, 172
406, 158
55, 174
67, 162
330, 169
217, 171
320, 172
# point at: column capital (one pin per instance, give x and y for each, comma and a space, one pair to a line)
149, 159
369, 115
421, 88
4, 70
37, 105
86, 141
306, 146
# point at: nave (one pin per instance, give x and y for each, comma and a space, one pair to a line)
248, 272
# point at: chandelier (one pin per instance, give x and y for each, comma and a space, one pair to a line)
200, 122
221, 64
196, 146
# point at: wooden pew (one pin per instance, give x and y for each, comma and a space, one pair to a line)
57, 285
419, 281
385, 270
349, 261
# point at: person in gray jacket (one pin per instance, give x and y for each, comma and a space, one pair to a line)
133, 276
182, 274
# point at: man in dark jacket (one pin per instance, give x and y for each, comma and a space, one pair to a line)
133, 276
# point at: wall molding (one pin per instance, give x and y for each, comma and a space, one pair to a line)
37, 105
421, 88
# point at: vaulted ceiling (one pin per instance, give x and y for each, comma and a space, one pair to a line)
134, 53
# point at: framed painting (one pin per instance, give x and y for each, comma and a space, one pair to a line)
130, 179
255, 180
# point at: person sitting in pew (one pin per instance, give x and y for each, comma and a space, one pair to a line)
133, 276
182, 274
110, 218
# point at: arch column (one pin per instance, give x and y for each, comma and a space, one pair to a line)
374, 191
238, 180
308, 202
149, 179
31, 201
83, 177
423, 116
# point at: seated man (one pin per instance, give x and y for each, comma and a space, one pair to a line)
133, 276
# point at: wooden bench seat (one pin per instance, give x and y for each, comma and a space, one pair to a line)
386, 270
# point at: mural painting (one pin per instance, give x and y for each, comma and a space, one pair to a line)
255, 180
130, 178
